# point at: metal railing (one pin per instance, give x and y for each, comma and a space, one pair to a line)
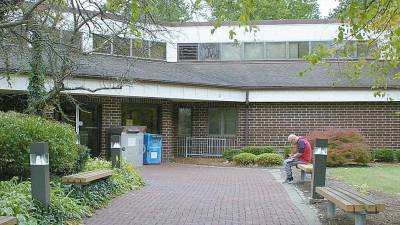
204, 146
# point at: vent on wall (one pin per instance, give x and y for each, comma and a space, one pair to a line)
187, 51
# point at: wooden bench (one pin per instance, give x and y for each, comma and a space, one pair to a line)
86, 177
304, 169
8, 220
350, 202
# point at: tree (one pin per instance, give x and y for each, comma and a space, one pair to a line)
49, 32
265, 9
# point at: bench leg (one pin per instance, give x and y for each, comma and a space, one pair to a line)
331, 210
302, 176
360, 218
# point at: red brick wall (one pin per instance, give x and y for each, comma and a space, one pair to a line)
110, 117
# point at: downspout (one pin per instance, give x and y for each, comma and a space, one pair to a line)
246, 126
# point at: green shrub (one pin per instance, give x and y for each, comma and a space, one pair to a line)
384, 155
229, 153
286, 150
397, 153
19, 131
258, 150
269, 159
345, 146
244, 159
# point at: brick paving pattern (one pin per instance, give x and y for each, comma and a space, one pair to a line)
186, 194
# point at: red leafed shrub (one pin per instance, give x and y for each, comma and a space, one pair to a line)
345, 146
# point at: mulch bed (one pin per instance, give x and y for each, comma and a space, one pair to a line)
391, 215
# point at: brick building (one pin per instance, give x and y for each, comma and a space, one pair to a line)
204, 94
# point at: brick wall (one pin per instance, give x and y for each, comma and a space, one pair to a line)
271, 123
110, 117
168, 130
13, 103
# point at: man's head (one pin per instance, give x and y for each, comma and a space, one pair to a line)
292, 139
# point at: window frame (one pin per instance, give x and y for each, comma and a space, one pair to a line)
191, 122
222, 122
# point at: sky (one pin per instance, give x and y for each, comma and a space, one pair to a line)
325, 6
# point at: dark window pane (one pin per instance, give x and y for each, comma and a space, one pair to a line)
187, 51
141, 116
365, 49
298, 49
121, 46
214, 122
275, 50
140, 48
230, 117
209, 52
157, 50
184, 121
72, 41
253, 51
101, 44
315, 45
222, 121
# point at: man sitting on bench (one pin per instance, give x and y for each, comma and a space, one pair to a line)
302, 156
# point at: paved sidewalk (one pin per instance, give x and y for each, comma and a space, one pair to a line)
197, 195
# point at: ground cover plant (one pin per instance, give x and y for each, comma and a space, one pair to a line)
345, 146
379, 177
244, 159
258, 150
69, 204
384, 155
65, 155
228, 154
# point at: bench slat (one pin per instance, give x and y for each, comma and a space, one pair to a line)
337, 200
358, 206
8, 220
308, 168
370, 205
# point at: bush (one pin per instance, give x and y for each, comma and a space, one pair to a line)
229, 153
69, 203
384, 155
258, 150
287, 149
269, 159
345, 146
244, 159
397, 153
19, 131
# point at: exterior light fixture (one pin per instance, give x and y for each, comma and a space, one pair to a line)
115, 151
40, 176
319, 166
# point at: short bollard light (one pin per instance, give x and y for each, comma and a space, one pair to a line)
116, 151
40, 176
319, 166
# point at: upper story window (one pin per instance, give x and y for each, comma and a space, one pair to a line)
129, 47
265, 50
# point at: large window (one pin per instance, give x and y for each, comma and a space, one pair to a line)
157, 50
184, 121
298, 49
275, 50
121, 46
253, 51
222, 121
209, 52
101, 44
231, 51
133, 115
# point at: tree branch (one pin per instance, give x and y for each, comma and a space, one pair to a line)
24, 19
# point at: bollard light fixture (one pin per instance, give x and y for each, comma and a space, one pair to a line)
115, 151
40, 175
319, 166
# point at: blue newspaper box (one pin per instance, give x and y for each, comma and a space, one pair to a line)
153, 148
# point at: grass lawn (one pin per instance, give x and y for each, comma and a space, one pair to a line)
379, 177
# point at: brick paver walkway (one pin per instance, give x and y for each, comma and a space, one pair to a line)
188, 194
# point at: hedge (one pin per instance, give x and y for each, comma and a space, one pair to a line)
384, 155
244, 159
269, 159
19, 131
397, 153
258, 150
230, 153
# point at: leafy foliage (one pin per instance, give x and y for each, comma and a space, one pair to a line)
19, 131
258, 150
397, 153
384, 155
230, 153
244, 159
345, 146
269, 159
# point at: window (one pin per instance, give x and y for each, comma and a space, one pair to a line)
209, 52
184, 121
275, 50
365, 49
121, 46
222, 121
187, 51
66, 37
157, 50
140, 48
133, 115
253, 51
101, 44
298, 50
231, 51
315, 45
